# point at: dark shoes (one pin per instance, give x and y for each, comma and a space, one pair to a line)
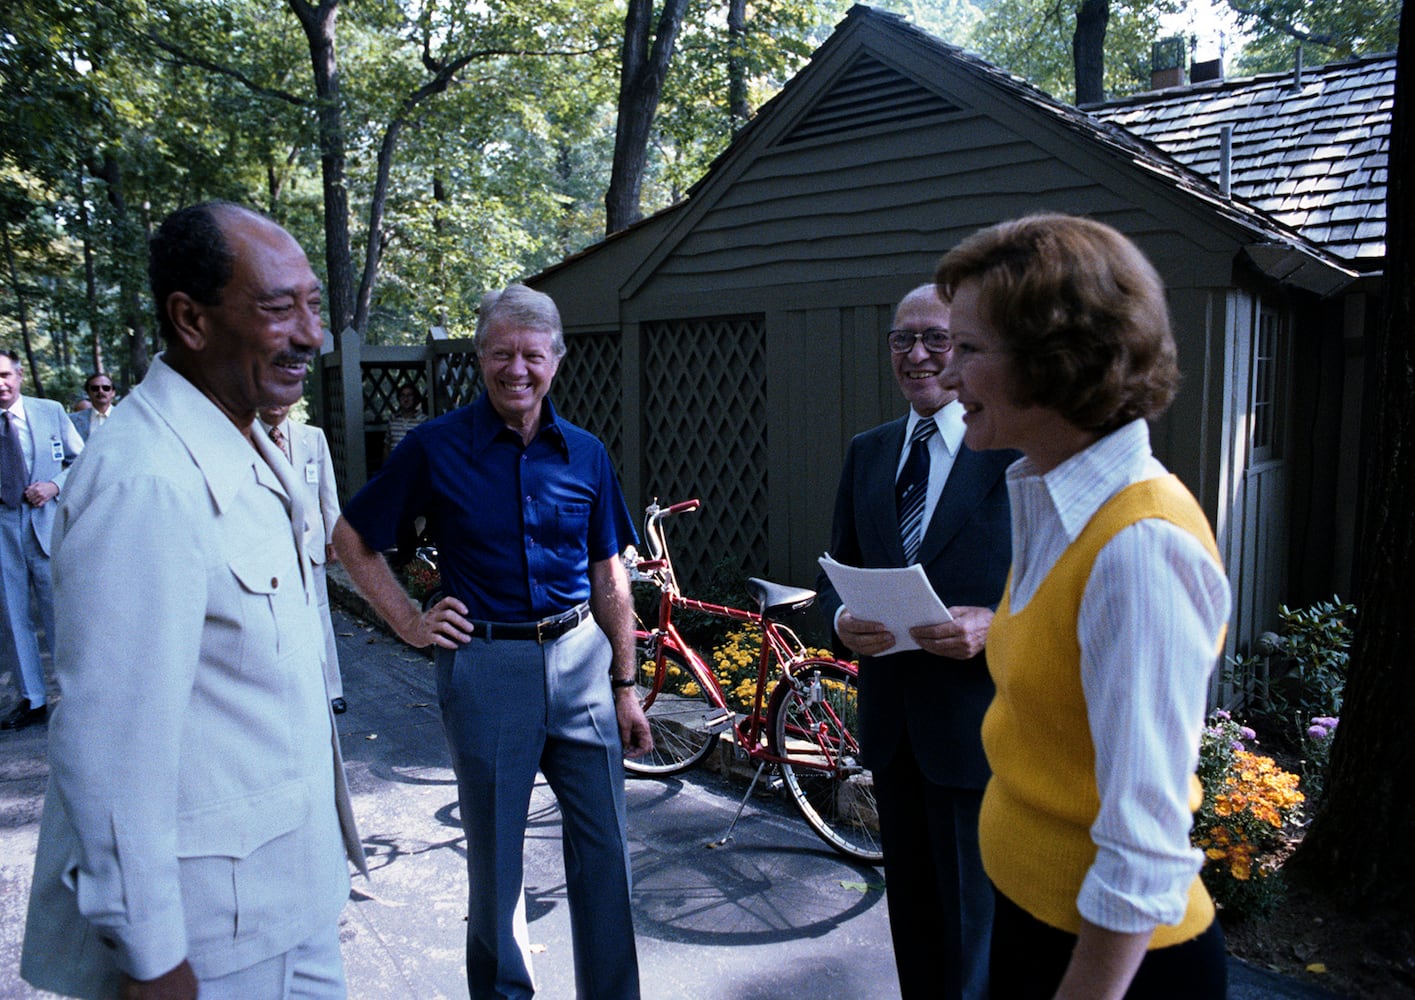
339, 705
24, 716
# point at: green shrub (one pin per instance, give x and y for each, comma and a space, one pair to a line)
1305, 678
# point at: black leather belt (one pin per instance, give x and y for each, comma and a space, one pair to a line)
543, 631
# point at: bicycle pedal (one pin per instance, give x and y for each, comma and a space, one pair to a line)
719, 723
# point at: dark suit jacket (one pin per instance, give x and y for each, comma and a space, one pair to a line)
966, 552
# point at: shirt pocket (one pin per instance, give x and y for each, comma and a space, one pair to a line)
572, 528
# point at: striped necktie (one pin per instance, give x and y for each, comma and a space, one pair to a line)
912, 489
279, 438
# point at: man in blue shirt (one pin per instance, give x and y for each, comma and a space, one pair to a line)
536, 662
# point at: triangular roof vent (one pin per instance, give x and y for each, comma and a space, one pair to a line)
868, 95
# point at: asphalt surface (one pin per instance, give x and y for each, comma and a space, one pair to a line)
773, 914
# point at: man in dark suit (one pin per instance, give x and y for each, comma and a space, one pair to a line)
912, 492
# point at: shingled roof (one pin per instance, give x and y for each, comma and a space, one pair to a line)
1310, 153
1322, 259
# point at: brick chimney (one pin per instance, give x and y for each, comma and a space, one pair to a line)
1167, 63
1209, 69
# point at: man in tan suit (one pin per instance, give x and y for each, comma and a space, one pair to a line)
197, 823
307, 451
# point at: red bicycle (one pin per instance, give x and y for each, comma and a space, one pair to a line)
802, 720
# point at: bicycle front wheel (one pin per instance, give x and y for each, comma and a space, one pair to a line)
813, 720
683, 718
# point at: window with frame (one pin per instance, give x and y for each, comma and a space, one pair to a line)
1269, 345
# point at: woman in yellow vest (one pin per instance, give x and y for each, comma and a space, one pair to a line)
1110, 625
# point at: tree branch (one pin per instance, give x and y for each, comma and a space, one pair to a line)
1264, 15
181, 57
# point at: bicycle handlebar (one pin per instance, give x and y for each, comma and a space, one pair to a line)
681, 507
660, 562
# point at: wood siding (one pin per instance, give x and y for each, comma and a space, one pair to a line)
831, 206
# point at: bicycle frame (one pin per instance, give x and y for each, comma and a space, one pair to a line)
780, 644
803, 723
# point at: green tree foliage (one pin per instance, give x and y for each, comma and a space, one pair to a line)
471, 145
695, 119
951, 20
1327, 30
1033, 38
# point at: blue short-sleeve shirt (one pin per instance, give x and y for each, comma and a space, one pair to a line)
516, 525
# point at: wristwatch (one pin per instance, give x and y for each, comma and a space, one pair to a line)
621, 682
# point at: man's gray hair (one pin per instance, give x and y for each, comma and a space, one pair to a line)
524, 308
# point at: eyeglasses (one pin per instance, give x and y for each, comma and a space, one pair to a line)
936, 340
100, 388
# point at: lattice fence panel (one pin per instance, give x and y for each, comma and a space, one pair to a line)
458, 379
705, 425
381, 382
588, 390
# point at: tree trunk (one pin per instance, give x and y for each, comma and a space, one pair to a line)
737, 107
641, 76
318, 22
440, 200
21, 310
276, 175
377, 238
1088, 50
126, 237
1361, 840
90, 280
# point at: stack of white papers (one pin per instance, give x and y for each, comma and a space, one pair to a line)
899, 599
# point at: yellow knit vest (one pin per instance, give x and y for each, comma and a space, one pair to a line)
1042, 799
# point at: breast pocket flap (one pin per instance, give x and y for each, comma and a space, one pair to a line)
260, 570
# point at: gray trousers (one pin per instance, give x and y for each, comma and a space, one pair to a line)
510, 708
24, 565
333, 679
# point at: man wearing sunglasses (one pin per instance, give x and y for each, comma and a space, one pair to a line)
912, 492
99, 388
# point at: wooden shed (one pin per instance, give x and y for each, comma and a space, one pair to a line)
747, 321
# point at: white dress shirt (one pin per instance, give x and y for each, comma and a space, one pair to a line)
943, 450
21, 425
1148, 625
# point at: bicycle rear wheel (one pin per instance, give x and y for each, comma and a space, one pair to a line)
683, 718
813, 721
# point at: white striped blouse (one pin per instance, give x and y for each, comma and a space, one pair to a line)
1149, 621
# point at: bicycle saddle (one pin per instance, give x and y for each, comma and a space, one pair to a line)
774, 599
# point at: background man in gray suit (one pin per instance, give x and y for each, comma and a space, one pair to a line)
307, 450
37, 443
921, 711
197, 822
99, 389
